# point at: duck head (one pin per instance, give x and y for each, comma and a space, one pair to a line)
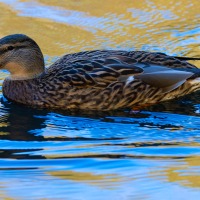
21, 56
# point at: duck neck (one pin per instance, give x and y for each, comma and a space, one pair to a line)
20, 91
20, 72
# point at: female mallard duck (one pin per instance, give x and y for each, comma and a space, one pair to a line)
93, 80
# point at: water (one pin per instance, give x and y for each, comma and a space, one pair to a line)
153, 154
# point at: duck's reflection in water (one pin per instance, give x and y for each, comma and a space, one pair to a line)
17, 121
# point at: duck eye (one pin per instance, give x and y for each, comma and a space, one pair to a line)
10, 48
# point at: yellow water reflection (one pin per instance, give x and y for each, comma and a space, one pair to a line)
104, 24
54, 38
141, 21
185, 173
182, 10
4, 196
101, 180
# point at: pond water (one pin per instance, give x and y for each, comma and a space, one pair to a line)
153, 154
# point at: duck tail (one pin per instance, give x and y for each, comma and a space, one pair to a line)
186, 58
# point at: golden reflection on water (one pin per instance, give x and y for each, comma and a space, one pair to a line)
50, 36
4, 196
185, 173
125, 25
100, 180
99, 8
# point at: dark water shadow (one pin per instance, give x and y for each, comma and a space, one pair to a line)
187, 105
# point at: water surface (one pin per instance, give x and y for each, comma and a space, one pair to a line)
153, 154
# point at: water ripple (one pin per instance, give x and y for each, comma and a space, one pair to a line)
152, 154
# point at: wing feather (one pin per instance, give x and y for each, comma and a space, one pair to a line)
100, 73
163, 77
102, 68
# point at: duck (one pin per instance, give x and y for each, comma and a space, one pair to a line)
93, 80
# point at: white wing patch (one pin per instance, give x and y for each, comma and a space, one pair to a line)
130, 79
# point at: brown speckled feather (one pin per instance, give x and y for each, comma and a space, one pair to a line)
99, 80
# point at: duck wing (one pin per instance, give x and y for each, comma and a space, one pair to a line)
99, 72
166, 77
163, 77
102, 70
